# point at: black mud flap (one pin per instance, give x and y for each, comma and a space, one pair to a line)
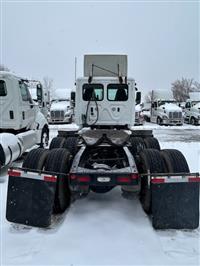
30, 201
175, 205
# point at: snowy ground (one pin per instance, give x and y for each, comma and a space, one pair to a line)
105, 229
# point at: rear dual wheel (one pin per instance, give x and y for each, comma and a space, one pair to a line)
154, 161
58, 161
69, 143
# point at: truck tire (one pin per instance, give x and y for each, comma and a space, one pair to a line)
175, 161
150, 161
71, 144
159, 121
44, 138
137, 145
35, 159
57, 142
152, 143
193, 121
58, 161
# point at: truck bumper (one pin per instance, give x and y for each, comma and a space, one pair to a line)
172, 122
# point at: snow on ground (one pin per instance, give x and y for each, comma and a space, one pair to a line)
105, 229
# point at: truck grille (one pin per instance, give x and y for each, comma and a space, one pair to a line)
175, 115
57, 115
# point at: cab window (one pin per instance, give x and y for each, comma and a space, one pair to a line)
3, 90
24, 92
117, 92
92, 92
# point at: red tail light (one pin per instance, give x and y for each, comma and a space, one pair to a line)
83, 178
80, 178
14, 173
123, 179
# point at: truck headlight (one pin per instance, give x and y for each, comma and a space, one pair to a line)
164, 117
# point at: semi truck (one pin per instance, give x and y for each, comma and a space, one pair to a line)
104, 152
22, 125
192, 109
61, 111
164, 109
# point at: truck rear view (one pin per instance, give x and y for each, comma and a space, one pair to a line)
104, 153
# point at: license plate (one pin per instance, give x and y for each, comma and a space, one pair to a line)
103, 179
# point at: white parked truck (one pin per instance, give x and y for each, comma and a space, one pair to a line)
106, 151
22, 125
192, 109
164, 109
60, 111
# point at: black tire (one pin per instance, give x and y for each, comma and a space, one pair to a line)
102, 189
44, 138
35, 159
151, 161
57, 142
146, 118
58, 161
152, 143
193, 121
137, 145
71, 144
175, 161
159, 121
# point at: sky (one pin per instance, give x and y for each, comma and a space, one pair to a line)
161, 38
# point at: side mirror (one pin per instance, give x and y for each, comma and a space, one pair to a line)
39, 93
138, 97
73, 96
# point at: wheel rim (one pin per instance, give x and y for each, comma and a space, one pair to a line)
45, 140
192, 121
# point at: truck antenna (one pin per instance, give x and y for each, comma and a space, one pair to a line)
75, 70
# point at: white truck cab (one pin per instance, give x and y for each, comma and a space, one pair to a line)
60, 111
192, 109
164, 109
22, 125
104, 98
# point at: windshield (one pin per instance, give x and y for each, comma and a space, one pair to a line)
195, 102
163, 102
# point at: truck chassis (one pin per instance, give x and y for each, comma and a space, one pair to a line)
98, 160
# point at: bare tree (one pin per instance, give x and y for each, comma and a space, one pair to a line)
181, 89
48, 85
4, 68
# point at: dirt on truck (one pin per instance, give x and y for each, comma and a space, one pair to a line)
106, 151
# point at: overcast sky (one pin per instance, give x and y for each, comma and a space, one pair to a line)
161, 39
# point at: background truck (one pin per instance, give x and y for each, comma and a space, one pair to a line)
103, 153
60, 111
192, 109
164, 110
139, 119
22, 125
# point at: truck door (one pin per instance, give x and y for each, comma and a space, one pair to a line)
27, 106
